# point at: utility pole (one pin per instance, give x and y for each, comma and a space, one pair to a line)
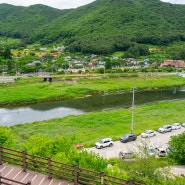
132, 124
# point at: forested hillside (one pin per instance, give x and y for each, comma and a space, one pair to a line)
20, 22
102, 26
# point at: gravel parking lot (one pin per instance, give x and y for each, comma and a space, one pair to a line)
160, 140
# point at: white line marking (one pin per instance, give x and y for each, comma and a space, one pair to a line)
17, 175
24, 177
34, 178
8, 172
2, 169
51, 182
41, 181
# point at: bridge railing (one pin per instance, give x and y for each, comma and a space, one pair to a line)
7, 181
55, 169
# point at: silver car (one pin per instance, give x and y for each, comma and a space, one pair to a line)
165, 128
125, 154
148, 133
176, 126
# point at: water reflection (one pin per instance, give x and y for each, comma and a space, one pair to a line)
38, 112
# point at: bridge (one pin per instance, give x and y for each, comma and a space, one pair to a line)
28, 169
11, 175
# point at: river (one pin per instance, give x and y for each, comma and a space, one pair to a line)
45, 111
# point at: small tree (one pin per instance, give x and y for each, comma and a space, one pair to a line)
177, 148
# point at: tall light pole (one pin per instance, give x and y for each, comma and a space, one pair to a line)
132, 124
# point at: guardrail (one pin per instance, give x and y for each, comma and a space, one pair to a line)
59, 170
7, 181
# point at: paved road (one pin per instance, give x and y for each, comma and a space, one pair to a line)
160, 140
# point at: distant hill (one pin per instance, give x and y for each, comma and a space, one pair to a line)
102, 26
20, 22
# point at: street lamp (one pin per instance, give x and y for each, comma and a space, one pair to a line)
132, 124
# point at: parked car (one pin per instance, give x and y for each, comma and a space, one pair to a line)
128, 137
104, 143
183, 124
148, 133
176, 126
125, 154
150, 150
165, 128
161, 152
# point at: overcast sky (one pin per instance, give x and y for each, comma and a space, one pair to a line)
64, 4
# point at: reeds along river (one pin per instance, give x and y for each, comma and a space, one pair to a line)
39, 112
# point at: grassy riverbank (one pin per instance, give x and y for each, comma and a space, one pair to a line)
90, 127
32, 90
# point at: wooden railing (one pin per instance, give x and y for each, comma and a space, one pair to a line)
7, 181
55, 169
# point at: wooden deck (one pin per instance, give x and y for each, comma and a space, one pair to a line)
17, 174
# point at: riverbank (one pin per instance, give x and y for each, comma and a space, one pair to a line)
33, 90
90, 127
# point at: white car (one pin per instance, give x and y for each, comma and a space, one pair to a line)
124, 154
165, 128
104, 143
148, 133
161, 152
176, 126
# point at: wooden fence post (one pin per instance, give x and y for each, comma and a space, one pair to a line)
102, 178
0, 178
49, 168
24, 160
1, 154
131, 181
75, 174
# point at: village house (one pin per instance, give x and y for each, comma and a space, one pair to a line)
173, 63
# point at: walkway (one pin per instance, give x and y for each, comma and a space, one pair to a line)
17, 174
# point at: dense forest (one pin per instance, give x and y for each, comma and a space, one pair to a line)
102, 26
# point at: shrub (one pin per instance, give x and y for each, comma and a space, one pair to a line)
177, 148
6, 137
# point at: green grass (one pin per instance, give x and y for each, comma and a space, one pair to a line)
90, 127
34, 90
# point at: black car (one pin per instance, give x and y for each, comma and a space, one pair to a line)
128, 137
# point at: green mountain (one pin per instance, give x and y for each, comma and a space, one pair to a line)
20, 22
102, 26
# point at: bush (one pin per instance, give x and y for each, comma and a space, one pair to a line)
177, 148
6, 137
40, 145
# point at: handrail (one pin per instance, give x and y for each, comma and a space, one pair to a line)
7, 180
60, 170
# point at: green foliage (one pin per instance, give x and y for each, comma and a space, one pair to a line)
40, 145
177, 148
136, 51
101, 70
149, 170
6, 137
83, 159
61, 149
100, 27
